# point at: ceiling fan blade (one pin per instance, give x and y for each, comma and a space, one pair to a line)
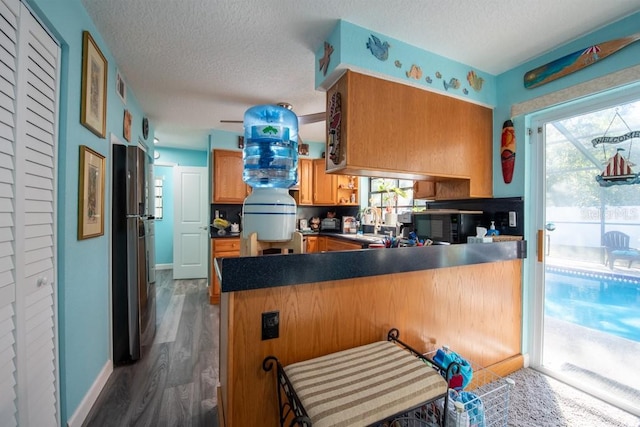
302, 120
312, 118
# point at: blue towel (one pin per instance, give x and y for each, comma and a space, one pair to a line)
445, 357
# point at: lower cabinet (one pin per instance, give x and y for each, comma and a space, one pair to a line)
311, 244
228, 247
340, 245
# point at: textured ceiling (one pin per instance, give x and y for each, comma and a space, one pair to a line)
192, 63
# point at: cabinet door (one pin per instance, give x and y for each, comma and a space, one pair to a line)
305, 183
312, 244
214, 283
341, 245
228, 186
322, 243
324, 185
221, 248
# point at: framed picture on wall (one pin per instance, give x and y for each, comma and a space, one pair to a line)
93, 108
126, 126
121, 88
91, 194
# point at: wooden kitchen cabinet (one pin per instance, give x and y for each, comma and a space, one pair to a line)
341, 245
324, 185
228, 186
303, 193
227, 247
347, 192
424, 190
393, 130
311, 245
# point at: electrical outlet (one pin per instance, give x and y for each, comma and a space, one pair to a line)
512, 219
270, 325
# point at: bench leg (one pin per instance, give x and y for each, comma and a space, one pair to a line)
289, 404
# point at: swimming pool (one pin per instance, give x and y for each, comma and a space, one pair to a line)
606, 302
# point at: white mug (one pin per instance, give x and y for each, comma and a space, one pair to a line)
235, 228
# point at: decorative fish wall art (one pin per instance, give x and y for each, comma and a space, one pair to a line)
576, 61
414, 72
380, 50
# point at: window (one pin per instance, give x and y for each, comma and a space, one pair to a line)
396, 195
158, 184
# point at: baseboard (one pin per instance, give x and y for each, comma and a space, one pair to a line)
164, 266
526, 360
89, 399
507, 366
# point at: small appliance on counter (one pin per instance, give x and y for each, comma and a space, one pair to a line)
330, 224
349, 224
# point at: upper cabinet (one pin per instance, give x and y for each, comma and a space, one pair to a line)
316, 187
228, 186
304, 192
392, 130
325, 186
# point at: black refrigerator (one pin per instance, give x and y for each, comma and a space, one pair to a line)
133, 297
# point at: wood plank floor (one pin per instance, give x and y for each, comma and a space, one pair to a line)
174, 384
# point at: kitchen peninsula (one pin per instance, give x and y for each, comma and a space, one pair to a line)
466, 296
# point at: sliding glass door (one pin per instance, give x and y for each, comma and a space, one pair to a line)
587, 274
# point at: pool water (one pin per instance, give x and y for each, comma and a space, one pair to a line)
608, 303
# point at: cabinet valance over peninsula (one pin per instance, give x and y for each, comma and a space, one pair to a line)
392, 130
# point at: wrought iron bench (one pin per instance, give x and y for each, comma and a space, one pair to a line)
361, 386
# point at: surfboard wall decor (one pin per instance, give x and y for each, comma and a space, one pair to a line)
576, 61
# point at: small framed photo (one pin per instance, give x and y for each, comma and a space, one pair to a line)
93, 109
121, 88
126, 125
91, 194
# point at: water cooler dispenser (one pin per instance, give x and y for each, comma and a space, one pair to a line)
270, 158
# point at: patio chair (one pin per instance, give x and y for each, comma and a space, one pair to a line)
616, 245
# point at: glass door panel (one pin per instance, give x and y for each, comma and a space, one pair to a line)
591, 309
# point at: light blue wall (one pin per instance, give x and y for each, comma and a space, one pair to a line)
83, 270
350, 51
511, 90
164, 227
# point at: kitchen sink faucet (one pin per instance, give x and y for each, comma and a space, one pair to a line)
376, 218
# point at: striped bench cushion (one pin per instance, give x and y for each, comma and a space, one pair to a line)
362, 385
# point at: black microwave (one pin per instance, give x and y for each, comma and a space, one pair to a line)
446, 226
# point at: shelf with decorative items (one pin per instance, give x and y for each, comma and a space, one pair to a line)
347, 190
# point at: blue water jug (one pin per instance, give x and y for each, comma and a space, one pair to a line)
270, 152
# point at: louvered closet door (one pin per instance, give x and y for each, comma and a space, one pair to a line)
28, 302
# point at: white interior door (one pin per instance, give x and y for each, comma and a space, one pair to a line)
190, 228
29, 70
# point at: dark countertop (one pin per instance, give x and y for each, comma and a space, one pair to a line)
346, 237
247, 273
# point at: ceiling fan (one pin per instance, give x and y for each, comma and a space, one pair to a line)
302, 120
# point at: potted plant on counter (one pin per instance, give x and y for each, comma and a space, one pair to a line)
389, 199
